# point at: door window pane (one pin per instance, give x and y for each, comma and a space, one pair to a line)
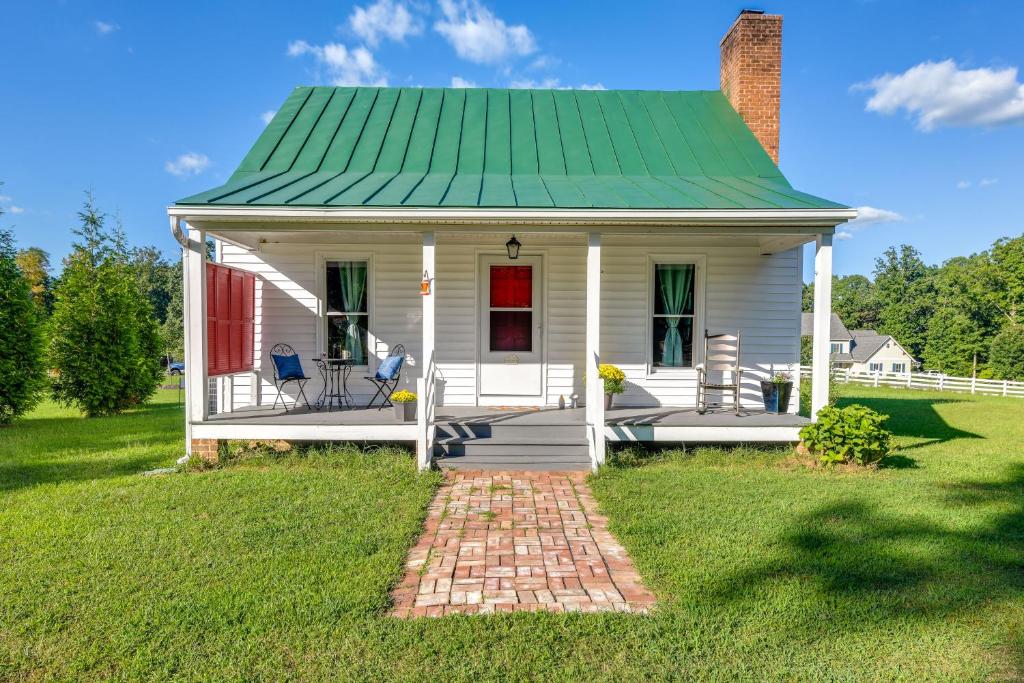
511, 286
347, 316
673, 342
512, 331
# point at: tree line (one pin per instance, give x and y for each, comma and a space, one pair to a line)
964, 317
95, 337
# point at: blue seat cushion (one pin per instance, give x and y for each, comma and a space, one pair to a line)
288, 367
389, 368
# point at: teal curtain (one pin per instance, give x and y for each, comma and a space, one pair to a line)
353, 290
675, 284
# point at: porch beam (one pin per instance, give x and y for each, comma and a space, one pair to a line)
822, 323
196, 387
594, 386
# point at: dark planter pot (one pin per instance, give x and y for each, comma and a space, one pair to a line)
776, 396
608, 398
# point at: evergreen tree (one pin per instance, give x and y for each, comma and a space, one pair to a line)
22, 372
104, 342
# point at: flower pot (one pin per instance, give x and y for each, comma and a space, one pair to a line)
608, 401
405, 412
776, 396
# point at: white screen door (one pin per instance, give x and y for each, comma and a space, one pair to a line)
511, 342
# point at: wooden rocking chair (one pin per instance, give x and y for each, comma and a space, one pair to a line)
721, 354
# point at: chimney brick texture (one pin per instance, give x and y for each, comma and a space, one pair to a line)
751, 74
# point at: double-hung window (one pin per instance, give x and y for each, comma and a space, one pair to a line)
899, 367
674, 315
837, 348
346, 313
875, 367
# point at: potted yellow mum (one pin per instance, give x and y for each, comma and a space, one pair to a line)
614, 382
405, 405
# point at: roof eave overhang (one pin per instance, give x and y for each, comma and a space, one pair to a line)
243, 217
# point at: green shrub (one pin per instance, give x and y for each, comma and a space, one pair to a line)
104, 345
854, 434
21, 366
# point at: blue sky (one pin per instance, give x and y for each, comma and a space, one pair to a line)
912, 109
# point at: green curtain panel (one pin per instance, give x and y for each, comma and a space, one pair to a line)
675, 285
353, 288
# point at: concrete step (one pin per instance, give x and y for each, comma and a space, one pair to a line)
496, 464
512, 451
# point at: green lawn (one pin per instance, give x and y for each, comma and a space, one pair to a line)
279, 568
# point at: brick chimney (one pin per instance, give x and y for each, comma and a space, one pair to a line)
751, 74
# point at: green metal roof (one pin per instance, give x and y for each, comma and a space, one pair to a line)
433, 147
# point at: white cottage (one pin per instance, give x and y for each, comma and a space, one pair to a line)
509, 241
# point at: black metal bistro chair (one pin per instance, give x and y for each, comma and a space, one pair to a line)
389, 371
287, 368
721, 355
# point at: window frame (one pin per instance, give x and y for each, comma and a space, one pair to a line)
902, 367
698, 261
836, 347
879, 369
322, 314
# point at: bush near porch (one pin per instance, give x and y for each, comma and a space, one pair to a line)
279, 567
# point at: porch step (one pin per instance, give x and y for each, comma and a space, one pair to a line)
490, 446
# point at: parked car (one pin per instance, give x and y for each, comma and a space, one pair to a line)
176, 368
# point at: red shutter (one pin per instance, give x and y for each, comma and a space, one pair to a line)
230, 312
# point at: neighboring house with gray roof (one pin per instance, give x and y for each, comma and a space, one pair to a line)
861, 350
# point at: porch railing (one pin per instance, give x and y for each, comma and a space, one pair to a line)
425, 407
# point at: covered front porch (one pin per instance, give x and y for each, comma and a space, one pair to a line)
593, 302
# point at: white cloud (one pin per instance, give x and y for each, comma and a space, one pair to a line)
190, 163
460, 82
5, 198
942, 94
105, 27
16, 209
479, 36
268, 116
984, 182
344, 66
384, 19
869, 214
551, 84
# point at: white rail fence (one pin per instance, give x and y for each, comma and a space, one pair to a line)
920, 380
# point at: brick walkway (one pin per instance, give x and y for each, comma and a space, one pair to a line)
511, 541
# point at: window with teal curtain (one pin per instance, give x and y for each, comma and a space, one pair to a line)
347, 315
674, 312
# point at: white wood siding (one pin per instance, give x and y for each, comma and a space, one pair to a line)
758, 295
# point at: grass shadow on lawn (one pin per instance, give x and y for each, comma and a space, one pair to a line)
44, 450
898, 566
915, 418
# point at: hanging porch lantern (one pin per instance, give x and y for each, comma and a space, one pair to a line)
513, 248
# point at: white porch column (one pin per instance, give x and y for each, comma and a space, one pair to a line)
196, 388
822, 323
594, 385
425, 384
